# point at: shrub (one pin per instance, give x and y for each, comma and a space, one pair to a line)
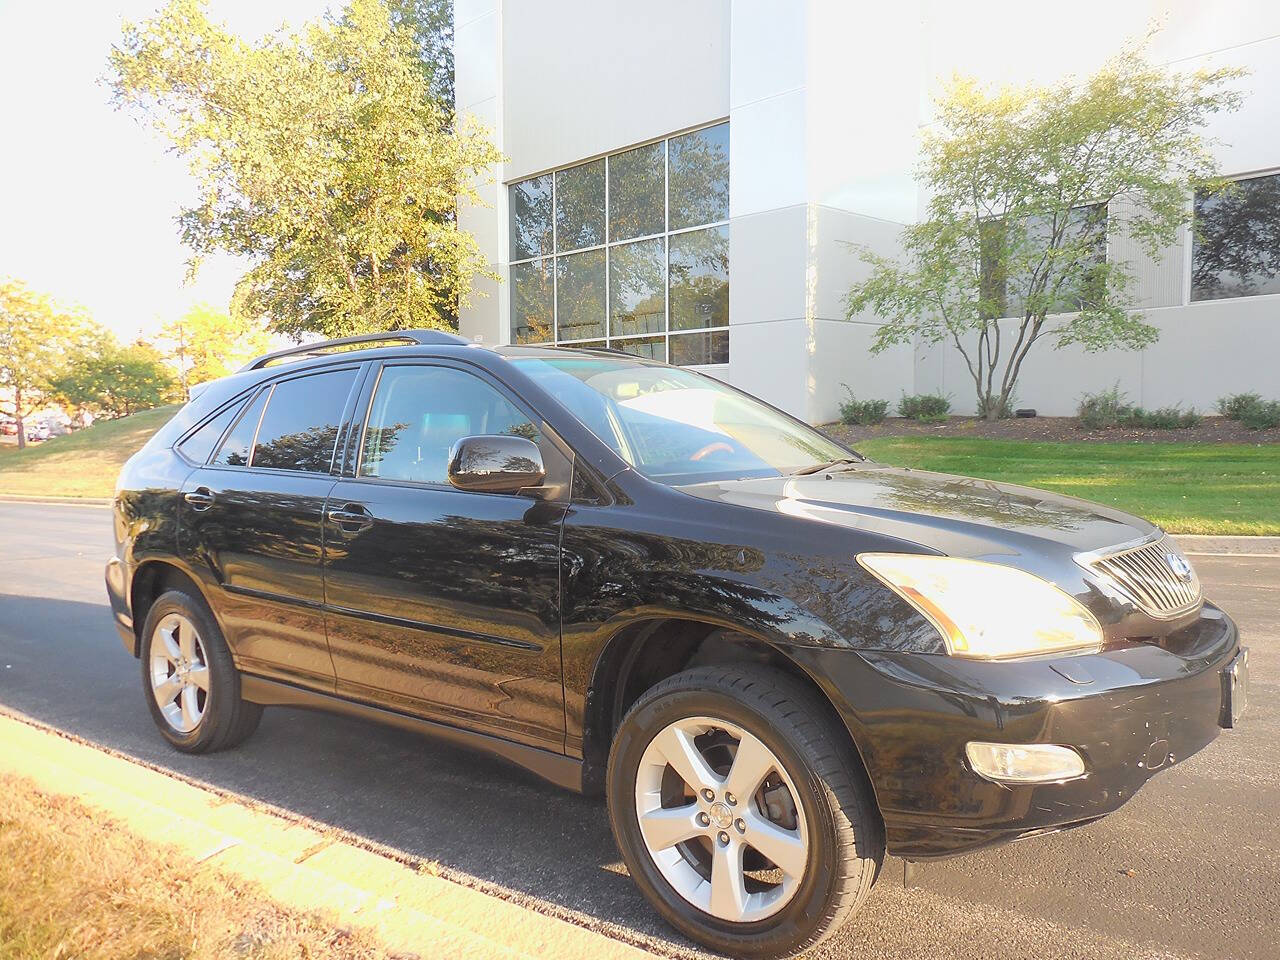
1263, 415
1166, 418
854, 411
1108, 408
925, 407
1234, 405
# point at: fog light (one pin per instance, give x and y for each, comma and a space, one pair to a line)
1024, 762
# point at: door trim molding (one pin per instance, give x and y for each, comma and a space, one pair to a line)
565, 772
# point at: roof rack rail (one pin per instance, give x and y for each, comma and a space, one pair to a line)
418, 337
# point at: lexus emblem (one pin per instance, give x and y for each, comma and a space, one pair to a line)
1180, 567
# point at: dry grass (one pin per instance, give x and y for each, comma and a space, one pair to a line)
74, 884
81, 464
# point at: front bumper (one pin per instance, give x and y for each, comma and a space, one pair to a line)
1130, 711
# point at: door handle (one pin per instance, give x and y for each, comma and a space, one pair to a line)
351, 518
201, 498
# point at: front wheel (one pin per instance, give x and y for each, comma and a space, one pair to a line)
740, 811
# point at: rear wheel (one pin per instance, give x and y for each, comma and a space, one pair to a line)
741, 813
192, 686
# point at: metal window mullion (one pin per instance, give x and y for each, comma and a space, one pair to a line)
666, 250
555, 250
608, 277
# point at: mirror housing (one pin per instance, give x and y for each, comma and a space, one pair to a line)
495, 464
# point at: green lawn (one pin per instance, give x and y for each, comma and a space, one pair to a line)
81, 464
1186, 488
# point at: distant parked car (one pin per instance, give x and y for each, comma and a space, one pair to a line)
8, 428
37, 432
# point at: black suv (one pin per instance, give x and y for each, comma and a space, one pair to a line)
776, 658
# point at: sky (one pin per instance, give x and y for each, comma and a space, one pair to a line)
88, 196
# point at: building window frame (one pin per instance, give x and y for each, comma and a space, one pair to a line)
1189, 288
610, 244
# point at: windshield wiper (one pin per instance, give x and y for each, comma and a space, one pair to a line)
819, 467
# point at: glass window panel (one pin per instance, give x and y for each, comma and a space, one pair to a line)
637, 287
532, 295
419, 412
235, 449
1236, 250
580, 295
300, 428
699, 186
637, 193
692, 349
698, 265
651, 348
200, 444
588, 345
580, 206
530, 203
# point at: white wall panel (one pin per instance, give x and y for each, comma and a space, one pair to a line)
585, 78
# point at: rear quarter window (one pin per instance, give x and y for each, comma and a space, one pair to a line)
199, 445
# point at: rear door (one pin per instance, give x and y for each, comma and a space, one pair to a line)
443, 602
252, 522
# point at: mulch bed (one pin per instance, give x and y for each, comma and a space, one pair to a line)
1054, 429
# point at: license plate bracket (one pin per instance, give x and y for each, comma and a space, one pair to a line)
1235, 689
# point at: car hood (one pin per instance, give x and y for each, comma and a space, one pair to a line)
957, 516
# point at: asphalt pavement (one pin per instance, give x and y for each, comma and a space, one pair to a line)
1189, 868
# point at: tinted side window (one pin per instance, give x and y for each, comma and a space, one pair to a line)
235, 449
300, 428
419, 412
200, 444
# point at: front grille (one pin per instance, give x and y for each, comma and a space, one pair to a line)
1154, 575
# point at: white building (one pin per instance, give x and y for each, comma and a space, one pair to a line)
683, 178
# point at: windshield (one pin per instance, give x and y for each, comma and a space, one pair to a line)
676, 426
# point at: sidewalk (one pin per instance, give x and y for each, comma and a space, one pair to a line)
299, 866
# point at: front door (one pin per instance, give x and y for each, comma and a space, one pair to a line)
443, 602
252, 524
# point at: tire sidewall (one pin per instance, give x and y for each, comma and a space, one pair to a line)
791, 926
223, 681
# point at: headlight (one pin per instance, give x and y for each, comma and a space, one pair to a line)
985, 610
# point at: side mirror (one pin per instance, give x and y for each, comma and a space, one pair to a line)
495, 464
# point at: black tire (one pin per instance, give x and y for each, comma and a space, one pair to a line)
226, 719
847, 834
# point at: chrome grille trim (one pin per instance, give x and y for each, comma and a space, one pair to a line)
1142, 574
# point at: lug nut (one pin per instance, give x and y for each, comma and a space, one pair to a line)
724, 838
741, 825
708, 795
730, 799
704, 820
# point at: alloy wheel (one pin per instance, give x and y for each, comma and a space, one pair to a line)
179, 672
720, 818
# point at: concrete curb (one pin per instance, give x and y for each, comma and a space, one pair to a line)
300, 865
61, 501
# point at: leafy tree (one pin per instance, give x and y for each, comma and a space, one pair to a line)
430, 22
1011, 250
205, 343
34, 335
112, 380
323, 157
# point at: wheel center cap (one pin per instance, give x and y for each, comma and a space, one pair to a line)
720, 815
